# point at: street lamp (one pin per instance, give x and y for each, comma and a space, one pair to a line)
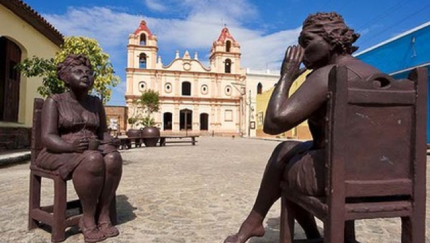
250, 110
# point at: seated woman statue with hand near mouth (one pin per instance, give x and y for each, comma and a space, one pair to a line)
325, 41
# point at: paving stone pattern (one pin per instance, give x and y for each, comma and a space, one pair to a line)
178, 194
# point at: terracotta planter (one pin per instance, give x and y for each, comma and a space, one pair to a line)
150, 135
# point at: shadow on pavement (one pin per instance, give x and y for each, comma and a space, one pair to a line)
124, 209
124, 214
273, 229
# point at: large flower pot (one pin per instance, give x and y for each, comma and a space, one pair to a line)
150, 135
134, 133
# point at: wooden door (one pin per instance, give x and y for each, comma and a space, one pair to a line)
10, 55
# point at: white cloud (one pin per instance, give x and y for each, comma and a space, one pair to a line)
155, 5
103, 24
369, 29
267, 51
195, 31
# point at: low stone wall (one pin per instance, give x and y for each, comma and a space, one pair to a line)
14, 138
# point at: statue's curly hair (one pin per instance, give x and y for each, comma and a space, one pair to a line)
72, 60
332, 27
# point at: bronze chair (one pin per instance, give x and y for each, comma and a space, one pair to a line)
375, 157
55, 215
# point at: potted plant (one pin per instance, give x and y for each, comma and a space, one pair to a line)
133, 132
149, 101
134, 120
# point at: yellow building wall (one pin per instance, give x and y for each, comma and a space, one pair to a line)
299, 132
32, 43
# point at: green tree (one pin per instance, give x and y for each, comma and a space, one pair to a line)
136, 117
46, 68
133, 121
149, 101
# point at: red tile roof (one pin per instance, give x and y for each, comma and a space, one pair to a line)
143, 27
225, 34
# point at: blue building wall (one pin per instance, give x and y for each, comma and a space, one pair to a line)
400, 54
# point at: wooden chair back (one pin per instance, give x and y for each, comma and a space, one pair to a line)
36, 138
376, 135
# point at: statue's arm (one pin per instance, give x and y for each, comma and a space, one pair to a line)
284, 113
50, 138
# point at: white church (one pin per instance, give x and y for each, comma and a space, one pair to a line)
194, 99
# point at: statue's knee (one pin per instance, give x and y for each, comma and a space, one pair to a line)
289, 145
284, 150
113, 162
93, 164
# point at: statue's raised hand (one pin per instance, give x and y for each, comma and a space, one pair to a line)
292, 60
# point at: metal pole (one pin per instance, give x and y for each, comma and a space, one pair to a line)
249, 115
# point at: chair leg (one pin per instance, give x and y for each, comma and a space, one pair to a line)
334, 229
34, 199
406, 230
60, 207
413, 229
287, 222
350, 229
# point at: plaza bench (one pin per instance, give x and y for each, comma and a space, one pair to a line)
177, 139
127, 141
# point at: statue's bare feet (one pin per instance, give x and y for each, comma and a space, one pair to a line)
91, 233
246, 231
108, 229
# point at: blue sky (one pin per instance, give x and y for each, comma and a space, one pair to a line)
264, 29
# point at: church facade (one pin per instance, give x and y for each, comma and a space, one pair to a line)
194, 99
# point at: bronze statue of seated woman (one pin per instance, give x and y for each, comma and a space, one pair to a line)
77, 146
325, 41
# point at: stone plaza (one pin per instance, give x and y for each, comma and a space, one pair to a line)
178, 194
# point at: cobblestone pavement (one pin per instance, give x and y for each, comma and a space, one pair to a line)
178, 194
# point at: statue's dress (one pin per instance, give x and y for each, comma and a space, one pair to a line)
73, 124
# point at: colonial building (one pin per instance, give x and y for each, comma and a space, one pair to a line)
23, 33
300, 132
258, 82
116, 117
193, 98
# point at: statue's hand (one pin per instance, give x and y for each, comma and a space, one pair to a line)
293, 58
80, 145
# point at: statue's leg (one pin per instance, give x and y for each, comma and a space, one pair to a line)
307, 221
113, 172
88, 179
268, 193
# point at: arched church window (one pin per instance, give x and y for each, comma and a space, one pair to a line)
227, 66
228, 46
142, 60
259, 88
142, 39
